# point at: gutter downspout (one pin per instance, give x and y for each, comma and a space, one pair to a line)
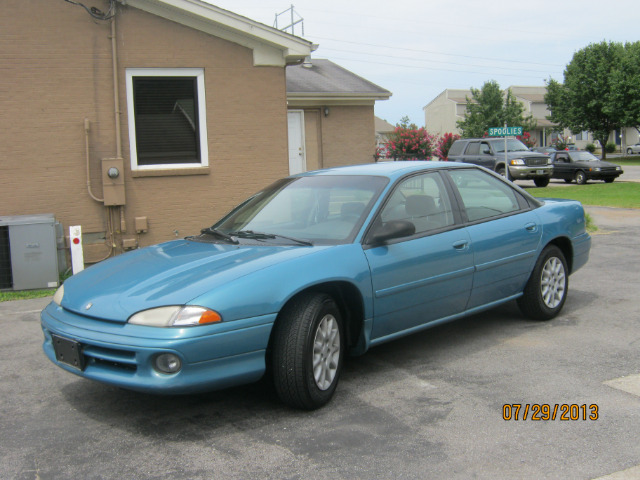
116, 103
116, 91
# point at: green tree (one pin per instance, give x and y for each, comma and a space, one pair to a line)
625, 83
490, 107
585, 101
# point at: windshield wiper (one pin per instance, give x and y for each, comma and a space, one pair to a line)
219, 234
263, 236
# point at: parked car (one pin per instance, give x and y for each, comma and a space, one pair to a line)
489, 153
313, 267
633, 149
547, 150
582, 166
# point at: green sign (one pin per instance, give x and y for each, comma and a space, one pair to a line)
505, 131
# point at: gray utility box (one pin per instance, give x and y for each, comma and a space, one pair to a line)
28, 252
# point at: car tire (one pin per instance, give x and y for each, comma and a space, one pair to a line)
581, 177
541, 182
629, 151
547, 288
500, 171
308, 351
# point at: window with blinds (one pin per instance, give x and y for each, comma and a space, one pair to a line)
168, 128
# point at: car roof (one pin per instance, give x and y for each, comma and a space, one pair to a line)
391, 170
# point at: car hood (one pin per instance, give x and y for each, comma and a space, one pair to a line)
172, 273
523, 154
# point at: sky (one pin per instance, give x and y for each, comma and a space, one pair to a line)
417, 49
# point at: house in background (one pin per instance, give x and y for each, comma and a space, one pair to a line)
443, 112
331, 115
383, 131
150, 119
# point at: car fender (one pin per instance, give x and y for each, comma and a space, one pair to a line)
266, 291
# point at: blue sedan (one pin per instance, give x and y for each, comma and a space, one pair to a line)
311, 268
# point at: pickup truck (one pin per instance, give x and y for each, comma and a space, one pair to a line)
489, 153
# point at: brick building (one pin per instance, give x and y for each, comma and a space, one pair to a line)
209, 92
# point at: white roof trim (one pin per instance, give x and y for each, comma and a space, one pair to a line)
271, 47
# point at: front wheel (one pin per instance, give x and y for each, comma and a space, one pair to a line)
629, 151
541, 181
546, 291
581, 177
308, 351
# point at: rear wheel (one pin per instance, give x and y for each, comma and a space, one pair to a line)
581, 177
308, 351
546, 290
541, 181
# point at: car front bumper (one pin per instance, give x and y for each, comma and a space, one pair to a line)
528, 173
603, 175
212, 356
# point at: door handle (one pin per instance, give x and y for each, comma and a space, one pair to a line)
531, 227
461, 244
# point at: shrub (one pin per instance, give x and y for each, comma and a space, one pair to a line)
590, 147
444, 145
527, 139
407, 143
610, 147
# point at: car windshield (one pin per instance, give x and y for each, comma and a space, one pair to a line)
321, 209
513, 145
583, 157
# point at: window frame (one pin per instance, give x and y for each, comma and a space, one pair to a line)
198, 73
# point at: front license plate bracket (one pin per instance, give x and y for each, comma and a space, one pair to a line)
68, 352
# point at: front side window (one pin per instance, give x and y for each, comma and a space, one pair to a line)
421, 200
167, 121
484, 196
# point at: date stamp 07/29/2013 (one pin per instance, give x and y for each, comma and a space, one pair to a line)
545, 412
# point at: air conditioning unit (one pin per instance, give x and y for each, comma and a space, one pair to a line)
28, 252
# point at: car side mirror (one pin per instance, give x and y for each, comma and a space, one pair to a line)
390, 230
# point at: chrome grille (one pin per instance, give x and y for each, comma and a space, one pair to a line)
536, 161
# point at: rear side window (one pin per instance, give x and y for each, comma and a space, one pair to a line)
456, 148
484, 196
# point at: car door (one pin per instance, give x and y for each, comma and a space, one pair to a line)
426, 276
479, 153
505, 234
562, 167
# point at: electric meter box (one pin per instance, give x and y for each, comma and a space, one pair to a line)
28, 252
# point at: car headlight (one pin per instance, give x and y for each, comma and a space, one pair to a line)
517, 161
549, 162
57, 297
175, 316
618, 168
596, 169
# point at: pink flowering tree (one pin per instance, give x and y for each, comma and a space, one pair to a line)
408, 142
527, 139
444, 144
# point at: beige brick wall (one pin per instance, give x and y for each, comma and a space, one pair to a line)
55, 70
348, 136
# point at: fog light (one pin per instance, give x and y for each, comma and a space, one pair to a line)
167, 363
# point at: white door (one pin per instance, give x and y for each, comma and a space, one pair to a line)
297, 157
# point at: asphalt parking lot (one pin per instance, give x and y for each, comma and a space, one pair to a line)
426, 406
